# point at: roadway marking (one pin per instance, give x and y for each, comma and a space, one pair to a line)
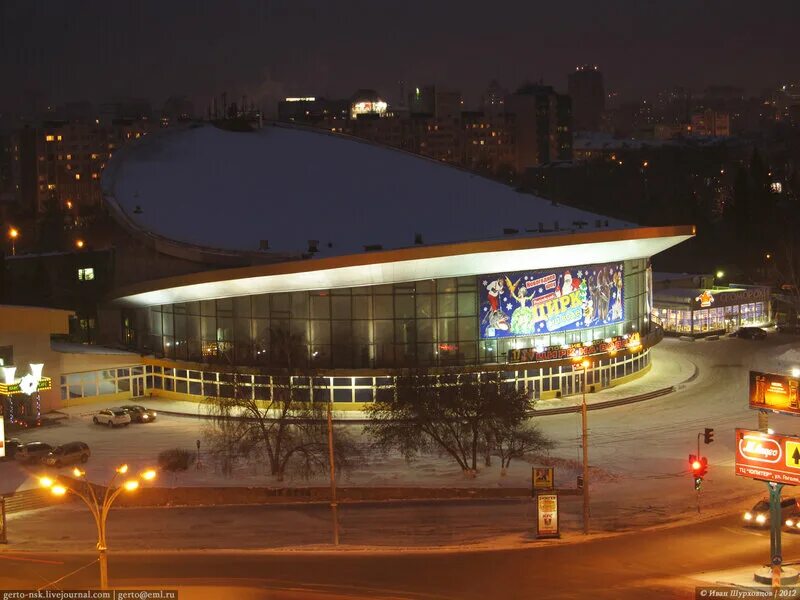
34, 560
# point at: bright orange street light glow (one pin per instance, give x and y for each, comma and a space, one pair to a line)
131, 485
46, 482
58, 490
122, 469
585, 364
149, 474
77, 472
79, 243
13, 233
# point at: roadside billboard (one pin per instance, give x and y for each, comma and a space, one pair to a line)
547, 516
771, 391
767, 456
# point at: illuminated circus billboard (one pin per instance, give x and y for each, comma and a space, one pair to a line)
538, 302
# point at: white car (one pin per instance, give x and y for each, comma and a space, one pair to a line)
112, 417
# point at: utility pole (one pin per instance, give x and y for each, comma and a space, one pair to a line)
585, 442
334, 506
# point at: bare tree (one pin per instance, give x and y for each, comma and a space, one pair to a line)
517, 440
451, 413
287, 428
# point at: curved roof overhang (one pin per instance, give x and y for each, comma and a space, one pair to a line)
409, 264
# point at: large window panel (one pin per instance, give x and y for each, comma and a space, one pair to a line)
320, 307
446, 305
340, 307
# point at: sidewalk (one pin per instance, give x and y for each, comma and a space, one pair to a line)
669, 370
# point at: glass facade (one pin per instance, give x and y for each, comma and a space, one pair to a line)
420, 323
707, 320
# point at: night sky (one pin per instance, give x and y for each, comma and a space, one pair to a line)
100, 50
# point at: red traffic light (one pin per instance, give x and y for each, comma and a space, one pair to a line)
698, 464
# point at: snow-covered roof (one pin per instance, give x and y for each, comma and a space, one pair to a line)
287, 185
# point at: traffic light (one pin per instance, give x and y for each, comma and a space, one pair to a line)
699, 466
708, 436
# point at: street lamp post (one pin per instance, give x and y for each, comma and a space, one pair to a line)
584, 365
97, 506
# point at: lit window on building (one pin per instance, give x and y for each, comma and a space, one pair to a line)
49, 138
51, 186
86, 274
77, 176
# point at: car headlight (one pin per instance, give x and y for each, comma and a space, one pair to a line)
748, 516
761, 519
145, 416
789, 523
154, 413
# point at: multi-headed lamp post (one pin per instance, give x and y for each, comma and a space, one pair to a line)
99, 507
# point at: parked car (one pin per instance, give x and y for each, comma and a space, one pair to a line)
11, 445
758, 516
139, 413
67, 454
751, 333
112, 417
32, 452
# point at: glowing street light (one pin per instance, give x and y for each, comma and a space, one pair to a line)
795, 372
13, 234
720, 274
79, 244
97, 506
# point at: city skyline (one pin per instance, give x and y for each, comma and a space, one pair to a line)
277, 49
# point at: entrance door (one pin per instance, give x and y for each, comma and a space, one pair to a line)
137, 386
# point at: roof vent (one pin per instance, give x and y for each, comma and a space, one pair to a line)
138, 210
418, 238
510, 231
555, 226
372, 247
263, 245
313, 246
579, 224
541, 226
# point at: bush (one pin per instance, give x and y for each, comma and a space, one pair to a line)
176, 459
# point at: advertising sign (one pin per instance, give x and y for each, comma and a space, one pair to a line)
576, 350
766, 456
542, 478
539, 302
769, 391
547, 515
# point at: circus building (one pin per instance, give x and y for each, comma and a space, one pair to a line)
349, 263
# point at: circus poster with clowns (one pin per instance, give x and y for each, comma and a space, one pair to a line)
539, 302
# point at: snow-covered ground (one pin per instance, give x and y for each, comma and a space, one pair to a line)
638, 453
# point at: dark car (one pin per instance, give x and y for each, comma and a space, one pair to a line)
751, 333
67, 454
139, 414
10, 445
32, 452
758, 516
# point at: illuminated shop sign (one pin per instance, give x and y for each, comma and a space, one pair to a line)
365, 107
539, 302
705, 299
577, 350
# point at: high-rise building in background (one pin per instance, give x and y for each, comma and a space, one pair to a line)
542, 126
585, 87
